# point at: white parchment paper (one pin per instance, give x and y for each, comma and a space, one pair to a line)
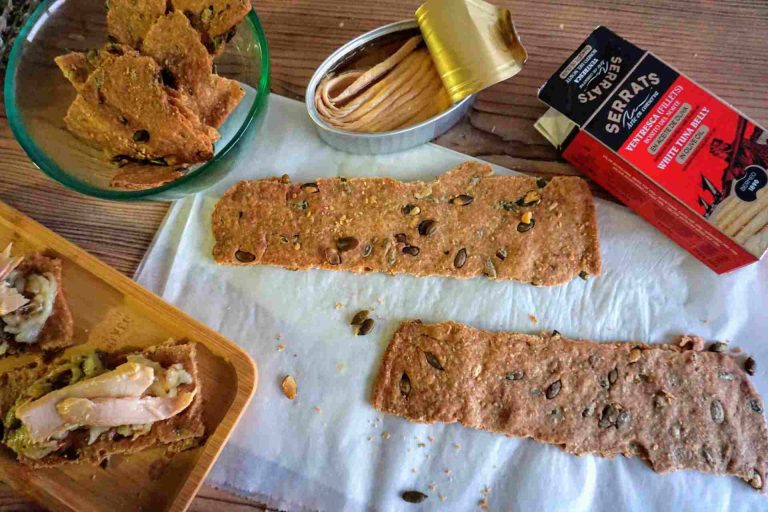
330, 450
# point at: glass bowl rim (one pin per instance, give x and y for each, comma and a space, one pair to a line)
41, 160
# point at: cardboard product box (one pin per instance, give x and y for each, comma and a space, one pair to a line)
679, 156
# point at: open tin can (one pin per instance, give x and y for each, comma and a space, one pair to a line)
362, 51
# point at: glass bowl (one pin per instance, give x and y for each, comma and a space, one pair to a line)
37, 97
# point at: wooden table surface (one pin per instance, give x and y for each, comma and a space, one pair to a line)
719, 43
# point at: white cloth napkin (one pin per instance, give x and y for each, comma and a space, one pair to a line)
330, 450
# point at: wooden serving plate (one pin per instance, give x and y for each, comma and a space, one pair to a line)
113, 312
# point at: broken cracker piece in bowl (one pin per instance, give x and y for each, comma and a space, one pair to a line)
90, 131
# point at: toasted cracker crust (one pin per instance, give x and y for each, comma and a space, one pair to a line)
129, 20
58, 329
673, 408
176, 46
181, 431
124, 96
224, 14
136, 176
294, 226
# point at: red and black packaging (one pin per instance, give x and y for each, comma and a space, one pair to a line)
679, 156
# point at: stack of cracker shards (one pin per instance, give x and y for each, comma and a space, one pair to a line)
149, 97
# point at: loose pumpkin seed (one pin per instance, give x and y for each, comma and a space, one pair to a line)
411, 250
332, 257
290, 388
718, 347
346, 243
756, 481
285, 179
401, 237
501, 254
413, 496
365, 327
310, 188
716, 411
556, 334
754, 404
411, 209
515, 375
584, 275
462, 200
367, 250
461, 258
613, 376
359, 317
554, 389
433, 361
141, 136
427, 227
524, 228
244, 256
750, 366
490, 268
405, 385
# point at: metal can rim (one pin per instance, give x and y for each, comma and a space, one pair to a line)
345, 50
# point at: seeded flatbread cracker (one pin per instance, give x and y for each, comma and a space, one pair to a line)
129, 20
216, 20
57, 332
124, 109
77, 66
136, 176
673, 408
186, 66
177, 433
465, 223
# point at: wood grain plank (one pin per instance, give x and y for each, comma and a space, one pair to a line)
716, 42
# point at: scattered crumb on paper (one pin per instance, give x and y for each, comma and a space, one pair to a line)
289, 387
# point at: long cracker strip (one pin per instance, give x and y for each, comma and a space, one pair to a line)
465, 223
673, 408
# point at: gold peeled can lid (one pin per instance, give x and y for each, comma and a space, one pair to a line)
473, 44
